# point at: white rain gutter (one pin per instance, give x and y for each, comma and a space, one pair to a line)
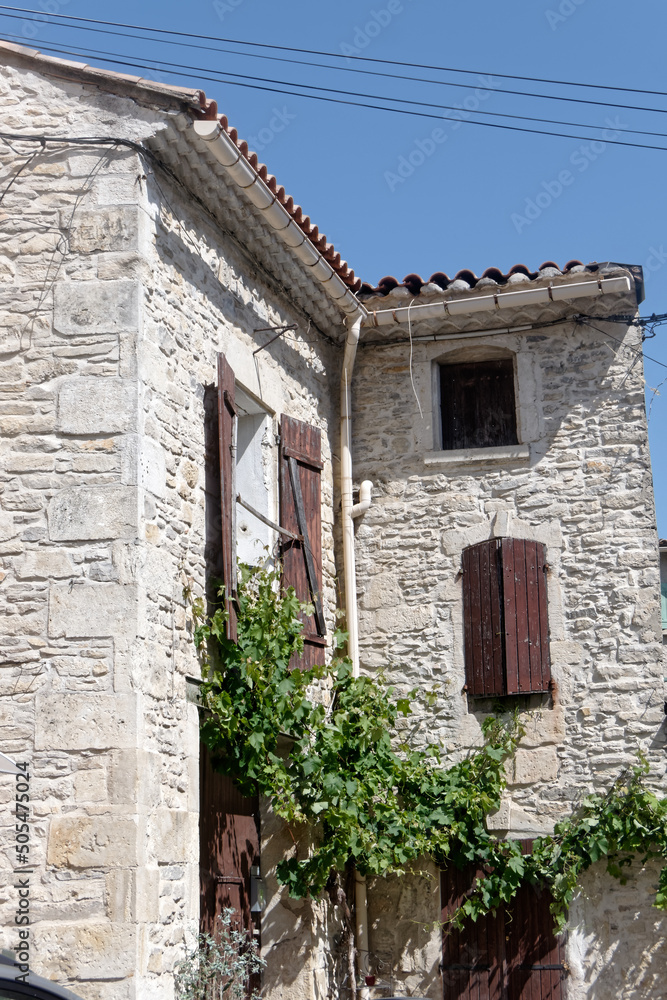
500, 300
245, 176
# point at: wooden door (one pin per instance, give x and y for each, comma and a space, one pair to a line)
472, 958
510, 955
535, 956
229, 847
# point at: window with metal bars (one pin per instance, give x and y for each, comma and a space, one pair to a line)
505, 622
477, 404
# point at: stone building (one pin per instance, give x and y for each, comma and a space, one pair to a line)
161, 294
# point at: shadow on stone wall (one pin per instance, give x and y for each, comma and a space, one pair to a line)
617, 943
405, 939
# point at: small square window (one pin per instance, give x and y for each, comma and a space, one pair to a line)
477, 404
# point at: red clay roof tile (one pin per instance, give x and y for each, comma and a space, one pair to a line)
414, 282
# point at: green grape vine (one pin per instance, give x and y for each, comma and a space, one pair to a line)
324, 746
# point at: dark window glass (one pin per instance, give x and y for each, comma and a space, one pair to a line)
477, 404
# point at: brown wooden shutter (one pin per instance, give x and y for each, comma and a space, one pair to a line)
227, 434
505, 623
477, 404
228, 847
472, 958
483, 619
534, 956
525, 608
301, 513
510, 955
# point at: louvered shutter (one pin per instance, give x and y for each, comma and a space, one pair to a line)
301, 513
505, 623
228, 847
472, 958
227, 434
525, 610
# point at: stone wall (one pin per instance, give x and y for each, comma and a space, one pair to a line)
584, 489
117, 295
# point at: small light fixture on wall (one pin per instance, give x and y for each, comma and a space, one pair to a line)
257, 891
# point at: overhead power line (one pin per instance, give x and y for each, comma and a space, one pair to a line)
337, 55
367, 72
346, 69
243, 81
198, 71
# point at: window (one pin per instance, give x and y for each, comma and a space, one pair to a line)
510, 955
246, 462
506, 633
477, 404
255, 478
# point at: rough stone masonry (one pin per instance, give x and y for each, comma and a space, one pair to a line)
580, 483
117, 293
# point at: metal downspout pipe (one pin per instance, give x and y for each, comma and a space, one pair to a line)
349, 511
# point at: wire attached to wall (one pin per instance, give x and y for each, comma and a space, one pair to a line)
412, 379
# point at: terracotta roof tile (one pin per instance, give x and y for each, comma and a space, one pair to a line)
465, 278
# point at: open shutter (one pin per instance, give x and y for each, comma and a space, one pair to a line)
227, 434
483, 619
472, 958
228, 847
505, 623
525, 611
301, 513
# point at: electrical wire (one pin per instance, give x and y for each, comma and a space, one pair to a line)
161, 63
355, 70
412, 378
332, 55
17, 173
462, 86
201, 75
585, 321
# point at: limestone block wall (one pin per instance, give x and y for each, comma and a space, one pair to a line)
584, 489
116, 297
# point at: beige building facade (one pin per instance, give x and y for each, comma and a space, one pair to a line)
129, 266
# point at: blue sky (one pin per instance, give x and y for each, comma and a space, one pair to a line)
468, 204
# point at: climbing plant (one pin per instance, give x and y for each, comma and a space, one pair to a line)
326, 748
